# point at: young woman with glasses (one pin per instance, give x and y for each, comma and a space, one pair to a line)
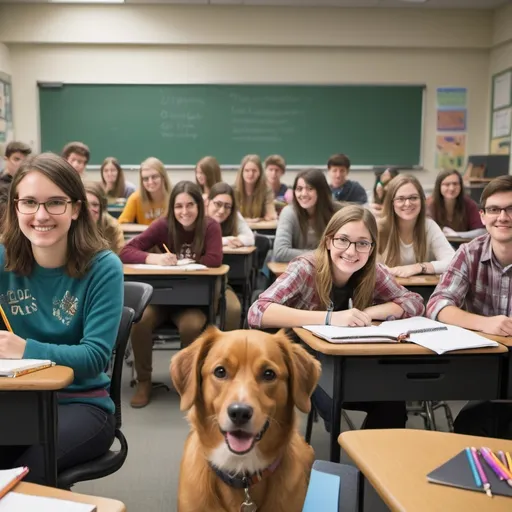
410, 243
340, 284
151, 200
62, 292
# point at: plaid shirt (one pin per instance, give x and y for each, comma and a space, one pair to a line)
295, 288
474, 282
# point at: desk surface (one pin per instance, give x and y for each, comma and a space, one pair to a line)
458, 239
277, 268
238, 250
49, 379
263, 224
421, 280
129, 270
396, 463
385, 349
102, 504
128, 227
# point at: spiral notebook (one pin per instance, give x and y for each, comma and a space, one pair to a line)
18, 367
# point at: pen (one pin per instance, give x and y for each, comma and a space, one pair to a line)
350, 304
5, 319
481, 472
472, 465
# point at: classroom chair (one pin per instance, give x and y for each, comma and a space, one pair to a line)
426, 409
111, 461
333, 488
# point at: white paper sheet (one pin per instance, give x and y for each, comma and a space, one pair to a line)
17, 502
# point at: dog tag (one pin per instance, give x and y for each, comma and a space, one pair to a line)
248, 505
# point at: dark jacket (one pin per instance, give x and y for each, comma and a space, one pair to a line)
352, 192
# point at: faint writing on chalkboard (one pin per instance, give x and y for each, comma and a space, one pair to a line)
180, 116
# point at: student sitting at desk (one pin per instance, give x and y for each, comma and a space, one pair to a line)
150, 201
275, 167
476, 293
77, 154
254, 198
453, 210
302, 223
207, 174
62, 291
107, 226
320, 287
114, 183
379, 189
409, 243
342, 188
188, 233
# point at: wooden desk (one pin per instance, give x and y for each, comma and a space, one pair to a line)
424, 285
277, 268
30, 404
241, 261
183, 287
402, 372
102, 504
265, 227
132, 230
396, 463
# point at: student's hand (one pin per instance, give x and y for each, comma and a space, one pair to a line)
11, 346
351, 318
449, 231
405, 270
500, 325
162, 259
235, 243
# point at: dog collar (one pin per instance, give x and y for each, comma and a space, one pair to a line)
245, 480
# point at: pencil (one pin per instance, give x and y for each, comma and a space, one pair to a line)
481, 472
167, 249
509, 460
478, 482
5, 319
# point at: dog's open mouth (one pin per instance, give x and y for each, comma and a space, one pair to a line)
242, 442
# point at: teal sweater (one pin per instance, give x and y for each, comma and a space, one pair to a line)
70, 321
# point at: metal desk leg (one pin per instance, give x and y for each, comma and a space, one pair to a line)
337, 401
48, 424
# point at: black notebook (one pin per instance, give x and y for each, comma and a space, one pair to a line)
457, 473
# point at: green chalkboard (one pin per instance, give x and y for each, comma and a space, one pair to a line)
373, 125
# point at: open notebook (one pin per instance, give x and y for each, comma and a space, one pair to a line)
434, 335
10, 477
188, 266
19, 367
17, 502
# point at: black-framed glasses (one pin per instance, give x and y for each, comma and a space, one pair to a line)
400, 201
52, 206
495, 211
219, 204
344, 243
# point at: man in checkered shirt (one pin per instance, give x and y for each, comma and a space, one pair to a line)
476, 293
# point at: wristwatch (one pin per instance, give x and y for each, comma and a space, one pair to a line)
423, 268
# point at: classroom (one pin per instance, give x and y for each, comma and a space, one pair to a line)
91, 70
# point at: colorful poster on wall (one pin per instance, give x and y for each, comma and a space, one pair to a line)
500, 146
450, 151
451, 120
452, 97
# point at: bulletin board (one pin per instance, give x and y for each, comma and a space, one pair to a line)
501, 113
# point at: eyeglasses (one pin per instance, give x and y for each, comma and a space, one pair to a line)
344, 243
219, 204
400, 201
94, 206
52, 206
496, 210
153, 177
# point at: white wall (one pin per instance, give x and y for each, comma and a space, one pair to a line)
5, 67
170, 44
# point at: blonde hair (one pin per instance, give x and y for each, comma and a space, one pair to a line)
156, 165
211, 169
364, 279
389, 233
256, 207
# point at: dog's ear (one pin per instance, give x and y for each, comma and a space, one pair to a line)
304, 372
186, 367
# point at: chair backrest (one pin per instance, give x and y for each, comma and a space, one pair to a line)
137, 296
123, 334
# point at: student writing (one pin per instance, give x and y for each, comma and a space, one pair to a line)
113, 180
62, 291
316, 288
302, 223
150, 201
188, 233
254, 198
410, 243
475, 292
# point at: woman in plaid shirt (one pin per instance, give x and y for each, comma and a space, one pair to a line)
340, 284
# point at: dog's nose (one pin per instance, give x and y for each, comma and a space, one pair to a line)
239, 413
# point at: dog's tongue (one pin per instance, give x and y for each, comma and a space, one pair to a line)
239, 442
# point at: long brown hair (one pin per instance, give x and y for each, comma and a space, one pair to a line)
83, 239
211, 170
393, 173
158, 166
438, 207
175, 228
230, 226
364, 279
256, 208
120, 185
325, 207
389, 234
106, 224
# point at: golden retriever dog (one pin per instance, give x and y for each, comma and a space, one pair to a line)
244, 452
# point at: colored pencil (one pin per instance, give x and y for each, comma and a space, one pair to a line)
503, 460
491, 462
509, 460
507, 475
166, 248
5, 319
472, 465
481, 472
